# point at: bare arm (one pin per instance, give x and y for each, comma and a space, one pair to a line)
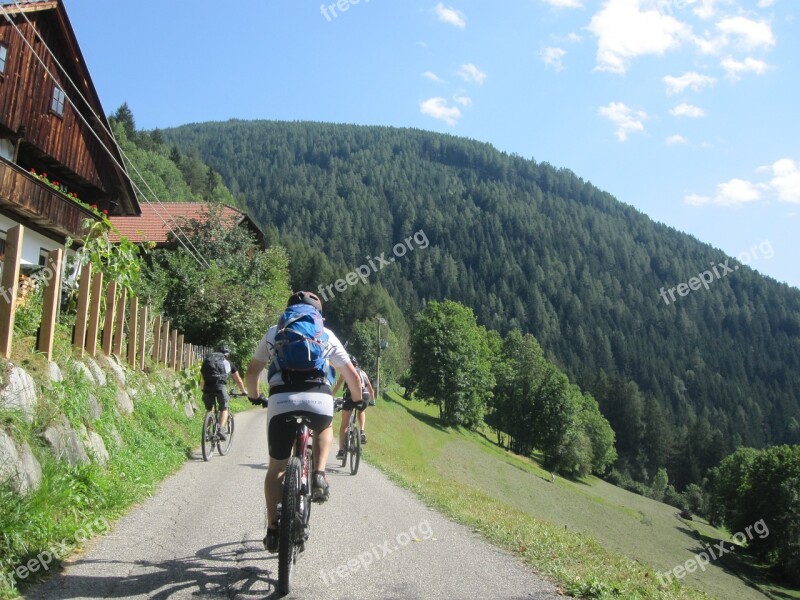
238, 379
371, 391
253, 373
353, 380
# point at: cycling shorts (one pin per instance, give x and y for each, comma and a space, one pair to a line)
219, 396
317, 406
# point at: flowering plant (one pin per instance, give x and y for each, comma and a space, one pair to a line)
61, 188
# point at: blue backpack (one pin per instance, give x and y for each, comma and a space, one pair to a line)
301, 343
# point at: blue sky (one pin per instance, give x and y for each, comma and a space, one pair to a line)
687, 109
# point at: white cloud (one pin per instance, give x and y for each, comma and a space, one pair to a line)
687, 110
573, 37
706, 9
626, 119
432, 76
735, 68
691, 80
552, 57
438, 108
564, 3
463, 100
450, 15
786, 180
765, 3
624, 32
676, 139
750, 34
472, 74
731, 193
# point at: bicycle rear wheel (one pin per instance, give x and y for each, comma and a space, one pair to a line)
288, 526
225, 446
209, 435
355, 446
346, 447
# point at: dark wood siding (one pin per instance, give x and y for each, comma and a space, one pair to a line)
26, 93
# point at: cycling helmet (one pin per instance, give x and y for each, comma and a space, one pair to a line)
353, 360
305, 298
223, 349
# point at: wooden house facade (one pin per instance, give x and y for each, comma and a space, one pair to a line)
56, 155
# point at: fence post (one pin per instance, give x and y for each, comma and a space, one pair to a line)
165, 343
157, 339
119, 328
79, 338
94, 314
50, 305
8, 305
133, 325
108, 321
174, 356
143, 334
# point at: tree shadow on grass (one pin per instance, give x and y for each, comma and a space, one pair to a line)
731, 558
421, 416
215, 571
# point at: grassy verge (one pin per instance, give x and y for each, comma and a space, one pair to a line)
593, 539
74, 503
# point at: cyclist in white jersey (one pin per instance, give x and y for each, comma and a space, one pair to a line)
311, 398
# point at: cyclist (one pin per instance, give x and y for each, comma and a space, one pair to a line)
214, 372
297, 393
367, 395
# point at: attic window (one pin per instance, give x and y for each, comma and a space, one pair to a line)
3, 56
59, 98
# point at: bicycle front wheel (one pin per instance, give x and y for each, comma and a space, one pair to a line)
225, 446
288, 526
209, 435
355, 448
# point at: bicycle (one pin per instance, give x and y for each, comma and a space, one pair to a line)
294, 511
352, 439
210, 435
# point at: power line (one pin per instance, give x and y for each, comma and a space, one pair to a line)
196, 255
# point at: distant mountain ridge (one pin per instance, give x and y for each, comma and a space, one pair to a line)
533, 247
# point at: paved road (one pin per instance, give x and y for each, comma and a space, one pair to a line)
200, 536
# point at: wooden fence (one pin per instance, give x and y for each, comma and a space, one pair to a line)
129, 327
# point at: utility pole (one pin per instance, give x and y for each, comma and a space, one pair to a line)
381, 321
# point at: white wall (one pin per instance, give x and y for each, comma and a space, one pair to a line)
32, 242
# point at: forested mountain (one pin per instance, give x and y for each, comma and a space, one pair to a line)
533, 247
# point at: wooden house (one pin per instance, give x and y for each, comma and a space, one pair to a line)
57, 158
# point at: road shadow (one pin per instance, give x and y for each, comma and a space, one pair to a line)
219, 571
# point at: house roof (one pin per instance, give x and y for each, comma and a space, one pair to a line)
81, 78
156, 222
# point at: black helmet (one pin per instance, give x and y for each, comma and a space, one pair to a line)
223, 349
305, 298
353, 360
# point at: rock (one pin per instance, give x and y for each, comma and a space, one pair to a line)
82, 369
66, 444
95, 410
18, 464
116, 438
19, 393
116, 369
188, 410
124, 402
53, 373
95, 446
97, 372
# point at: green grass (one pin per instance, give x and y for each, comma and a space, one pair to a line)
72, 502
593, 539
